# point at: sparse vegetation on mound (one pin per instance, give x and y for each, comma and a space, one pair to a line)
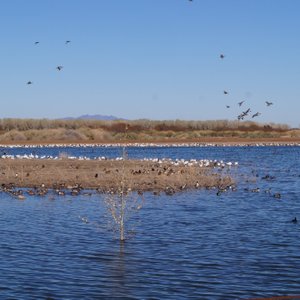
105, 176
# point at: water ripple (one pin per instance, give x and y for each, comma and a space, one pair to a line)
195, 245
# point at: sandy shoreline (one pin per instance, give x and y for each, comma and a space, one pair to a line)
203, 142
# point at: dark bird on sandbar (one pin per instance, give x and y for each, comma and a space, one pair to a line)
269, 103
294, 220
222, 56
68, 42
29, 82
256, 114
59, 68
241, 103
225, 92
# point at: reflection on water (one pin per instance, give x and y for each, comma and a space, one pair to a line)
240, 244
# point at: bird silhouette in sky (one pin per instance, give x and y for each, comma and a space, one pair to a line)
227, 106
59, 68
225, 92
29, 82
222, 56
241, 103
68, 42
256, 114
36, 43
269, 103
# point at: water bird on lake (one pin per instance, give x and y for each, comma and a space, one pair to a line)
227, 106
68, 42
294, 220
268, 177
277, 195
222, 56
84, 219
269, 103
29, 82
36, 43
59, 68
225, 92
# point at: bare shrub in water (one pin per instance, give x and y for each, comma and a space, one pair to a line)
121, 202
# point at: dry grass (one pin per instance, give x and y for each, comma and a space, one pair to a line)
39, 131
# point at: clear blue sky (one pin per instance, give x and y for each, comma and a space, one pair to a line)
155, 59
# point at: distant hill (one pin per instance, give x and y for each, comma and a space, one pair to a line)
94, 117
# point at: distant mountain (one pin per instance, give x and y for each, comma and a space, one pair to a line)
94, 117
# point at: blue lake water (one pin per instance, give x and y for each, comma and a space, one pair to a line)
192, 245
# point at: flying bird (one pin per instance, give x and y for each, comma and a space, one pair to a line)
59, 68
269, 103
247, 112
227, 106
29, 82
256, 114
225, 92
67, 42
241, 103
36, 43
222, 56
243, 114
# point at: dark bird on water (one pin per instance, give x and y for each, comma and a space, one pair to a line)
294, 220
36, 43
29, 82
222, 56
269, 103
59, 68
227, 106
67, 42
225, 92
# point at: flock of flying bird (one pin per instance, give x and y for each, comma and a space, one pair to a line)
241, 116
59, 68
245, 113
